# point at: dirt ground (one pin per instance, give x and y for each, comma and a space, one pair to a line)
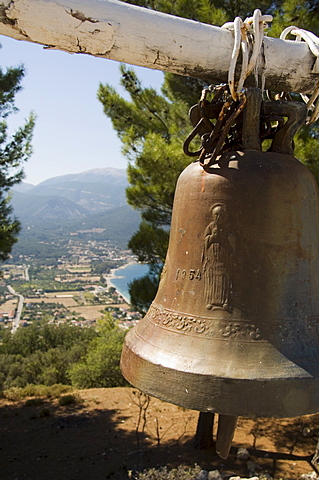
110, 433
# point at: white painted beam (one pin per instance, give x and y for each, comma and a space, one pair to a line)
138, 36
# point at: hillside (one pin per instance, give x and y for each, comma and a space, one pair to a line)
94, 190
90, 205
115, 176
49, 236
35, 208
95, 196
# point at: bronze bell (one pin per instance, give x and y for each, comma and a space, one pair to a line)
234, 327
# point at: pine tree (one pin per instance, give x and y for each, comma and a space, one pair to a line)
152, 128
14, 152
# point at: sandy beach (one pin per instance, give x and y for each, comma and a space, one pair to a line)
111, 276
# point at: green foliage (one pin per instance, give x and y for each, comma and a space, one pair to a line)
14, 152
70, 399
163, 473
152, 128
34, 402
153, 177
41, 355
301, 13
100, 367
48, 355
150, 243
307, 147
142, 291
185, 89
105, 266
27, 341
40, 391
215, 12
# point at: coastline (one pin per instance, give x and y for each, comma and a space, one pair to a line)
111, 276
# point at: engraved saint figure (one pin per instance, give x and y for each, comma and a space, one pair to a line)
218, 260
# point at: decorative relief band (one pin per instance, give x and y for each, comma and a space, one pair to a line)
288, 331
203, 326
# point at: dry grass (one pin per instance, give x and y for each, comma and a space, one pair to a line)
8, 305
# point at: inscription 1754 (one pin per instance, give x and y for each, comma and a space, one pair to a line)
191, 274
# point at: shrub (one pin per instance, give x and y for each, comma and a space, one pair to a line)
44, 412
180, 473
54, 391
34, 402
70, 399
100, 367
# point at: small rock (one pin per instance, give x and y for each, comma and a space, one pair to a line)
265, 476
253, 468
242, 454
241, 478
203, 475
214, 475
307, 432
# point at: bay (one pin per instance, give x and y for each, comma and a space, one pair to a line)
121, 277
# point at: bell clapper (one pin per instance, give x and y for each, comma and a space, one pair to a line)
225, 434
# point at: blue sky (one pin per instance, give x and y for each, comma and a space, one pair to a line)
72, 134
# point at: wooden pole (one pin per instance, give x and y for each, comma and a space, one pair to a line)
139, 36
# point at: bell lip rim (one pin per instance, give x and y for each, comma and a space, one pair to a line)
274, 400
134, 342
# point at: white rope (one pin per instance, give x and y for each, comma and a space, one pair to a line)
245, 58
233, 61
248, 37
313, 44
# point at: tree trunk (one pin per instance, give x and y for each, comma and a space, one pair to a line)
204, 431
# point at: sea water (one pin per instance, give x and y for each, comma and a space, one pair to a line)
126, 274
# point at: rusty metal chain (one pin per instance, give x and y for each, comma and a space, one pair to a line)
213, 144
219, 123
218, 136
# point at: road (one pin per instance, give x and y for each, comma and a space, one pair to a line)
16, 320
26, 273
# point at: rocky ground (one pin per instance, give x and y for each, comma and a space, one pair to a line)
112, 433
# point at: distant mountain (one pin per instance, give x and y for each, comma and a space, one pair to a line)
88, 205
47, 235
34, 208
96, 175
118, 225
94, 190
23, 187
95, 197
